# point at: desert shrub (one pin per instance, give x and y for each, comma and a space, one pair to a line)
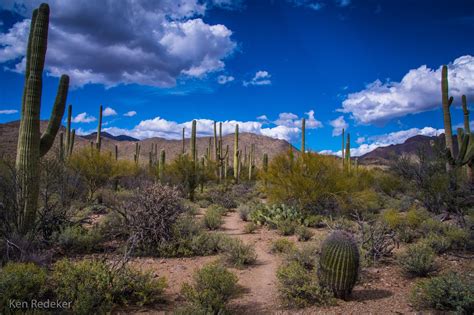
113, 226
377, 241
184, 173
432, 225
203, 203
458, 237
416, 216
392, 218
365, 202
304, 234
286, 226
217, 208
438, 243
341, 223
272, 215
222, 197
418, 260
238, 254
314, 221
244, 191
21, 282
207, 243
151, 214
449, 292
213, 287
94, 287
306, 256
389, 183
250, 227
190, 208
299, 286
213, 218
282, 245
77, 239
244, 210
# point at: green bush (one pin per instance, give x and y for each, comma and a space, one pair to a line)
77, 239
213, 218
244, 211
238, 254
304, 234
418, 260
218, 208
21, 282
314, 221
250, 227
286, 227
299, 286
203, 203
458, 237
306, 256
282, 245
449, 292
440, 244
93, 287
213, 287
222, 198
273, 215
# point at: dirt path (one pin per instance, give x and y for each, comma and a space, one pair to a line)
259, 282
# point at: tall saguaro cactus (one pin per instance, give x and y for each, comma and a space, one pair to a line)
236, 153
193, 142
99, 128
467, 132
183, 149
348, 152
342, 149
446, 102
161, 165
215, 142
31, 144
303, 135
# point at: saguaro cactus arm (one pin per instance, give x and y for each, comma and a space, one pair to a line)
446, 102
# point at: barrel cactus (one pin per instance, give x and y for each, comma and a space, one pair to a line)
339, 263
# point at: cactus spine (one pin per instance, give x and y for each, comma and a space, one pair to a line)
31, 144
446, 103
303, 135
193, 142
339, 263
236, 150
99, 128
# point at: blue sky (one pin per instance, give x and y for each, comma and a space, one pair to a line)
371, 66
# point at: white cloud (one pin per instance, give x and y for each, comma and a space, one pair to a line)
288, 130
262, 117
224, 79
8, 111
292, 120
130, 113
155, 43
418, 91
360, 140
83, 118
343, 3
385, 140
338, 124
260, 78
108, 111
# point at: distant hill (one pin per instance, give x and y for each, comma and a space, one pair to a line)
126, 145
93, 136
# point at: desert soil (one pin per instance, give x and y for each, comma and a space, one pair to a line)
381, 290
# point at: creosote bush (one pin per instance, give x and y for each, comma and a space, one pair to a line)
211, 290
418, 260
282, 245
304, 234
450, 292
213, 218
250, 227
77, 239
238, 254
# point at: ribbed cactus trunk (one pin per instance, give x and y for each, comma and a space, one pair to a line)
183, 149
116, 153
216, 154
251, 158
67, 150
162, 164
31, 144
136, 156
342, 148
303, 135
446, 103
99, 129
236, 150
348, 152
467, 132
339, 264
265, 167
193, 142
226, 163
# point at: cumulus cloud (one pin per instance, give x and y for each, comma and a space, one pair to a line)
8, 111
338, 124
260, 78
418, 91
224, 79
130, 113
143, 42
288, 129
262, 117
387, 139
108, 111
292, 120
83, 118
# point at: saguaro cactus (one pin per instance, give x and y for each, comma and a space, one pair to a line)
193, 142
446, 102
251, 158
215, 143
99, 128
236, 152
265, 162
342, 148
136, 156
31, 144
348, 152
162, 164
467, 131
116, 153
303, 135
183, 149
339, 263
69, 135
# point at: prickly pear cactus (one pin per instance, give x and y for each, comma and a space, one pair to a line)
339, 263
